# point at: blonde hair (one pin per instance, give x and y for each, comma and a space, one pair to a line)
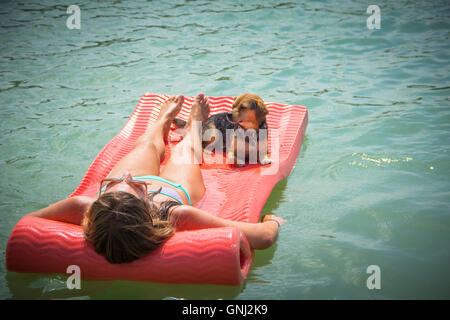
123, 227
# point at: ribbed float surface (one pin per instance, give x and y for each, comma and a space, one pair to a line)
214, 256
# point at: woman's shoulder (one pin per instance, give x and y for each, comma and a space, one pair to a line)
179, 213
69, 210
83, 202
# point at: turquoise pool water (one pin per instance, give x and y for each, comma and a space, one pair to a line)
370, 187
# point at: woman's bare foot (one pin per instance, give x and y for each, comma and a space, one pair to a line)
168, 112
192, 140
199, 110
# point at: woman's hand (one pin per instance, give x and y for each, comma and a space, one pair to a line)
271, 225
274, 218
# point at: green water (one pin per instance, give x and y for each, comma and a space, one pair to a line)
370, 187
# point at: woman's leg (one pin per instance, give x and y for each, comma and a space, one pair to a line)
148, 151
183, 166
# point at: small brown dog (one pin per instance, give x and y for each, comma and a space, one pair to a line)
227, 131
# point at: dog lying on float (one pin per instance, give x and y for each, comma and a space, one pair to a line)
241, 133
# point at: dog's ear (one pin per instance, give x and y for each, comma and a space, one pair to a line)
235, 102
262, 108
266, 110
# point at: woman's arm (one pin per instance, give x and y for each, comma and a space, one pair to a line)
70, 210
260, 235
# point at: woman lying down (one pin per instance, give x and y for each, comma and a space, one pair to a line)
139, 207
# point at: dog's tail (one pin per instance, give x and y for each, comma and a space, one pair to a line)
178, 123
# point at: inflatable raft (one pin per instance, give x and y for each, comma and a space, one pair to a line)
209, 256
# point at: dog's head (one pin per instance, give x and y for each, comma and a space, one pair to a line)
249, 111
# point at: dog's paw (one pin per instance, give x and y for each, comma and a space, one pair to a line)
233, 160
266, 161
174, 136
